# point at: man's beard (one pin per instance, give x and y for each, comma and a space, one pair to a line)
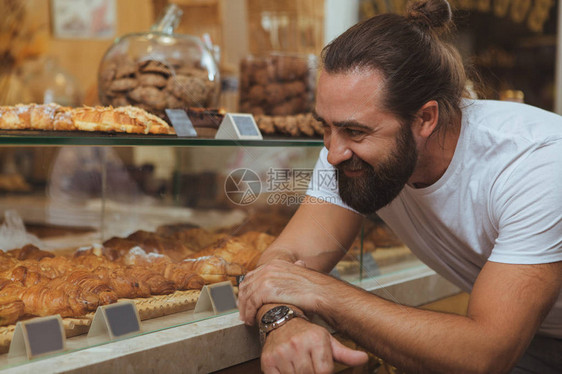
377, 187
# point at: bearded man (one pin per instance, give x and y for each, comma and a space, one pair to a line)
473, 188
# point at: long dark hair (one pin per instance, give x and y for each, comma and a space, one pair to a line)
417, 65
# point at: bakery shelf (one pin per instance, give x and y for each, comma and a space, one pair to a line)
211, 344
40, 138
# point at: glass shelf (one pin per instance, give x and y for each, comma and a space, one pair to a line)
40, 138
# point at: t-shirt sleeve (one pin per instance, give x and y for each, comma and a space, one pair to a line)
323, 185
527, 206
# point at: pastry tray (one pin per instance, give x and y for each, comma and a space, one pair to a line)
148, 308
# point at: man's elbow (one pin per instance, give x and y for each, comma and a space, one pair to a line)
498, 361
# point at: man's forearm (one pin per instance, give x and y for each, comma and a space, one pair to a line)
277, 253
413, 339
274, 253
315, 237
320, 260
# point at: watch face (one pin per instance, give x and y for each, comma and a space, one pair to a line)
275, 314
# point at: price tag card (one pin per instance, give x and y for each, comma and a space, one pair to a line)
370, 266
115, 321
238, 126
181, 122
37, 337
218, 298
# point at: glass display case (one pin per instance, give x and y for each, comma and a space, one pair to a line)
72, 196
160, 70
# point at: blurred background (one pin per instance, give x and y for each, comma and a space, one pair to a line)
57, 45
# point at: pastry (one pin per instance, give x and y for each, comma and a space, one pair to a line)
11, 309
257, 240
183, 277
152, 242
123, 119
127, 119
29, 252
213, 268
233, 251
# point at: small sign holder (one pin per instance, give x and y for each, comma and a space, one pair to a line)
370, 266
182, 123
217, 298
38, 337
115, 321
238, 126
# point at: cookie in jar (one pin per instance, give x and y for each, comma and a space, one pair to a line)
159, 70
277, 84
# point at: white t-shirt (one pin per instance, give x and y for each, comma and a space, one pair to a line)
499, 200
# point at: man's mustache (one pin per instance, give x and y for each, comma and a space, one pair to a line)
354, 163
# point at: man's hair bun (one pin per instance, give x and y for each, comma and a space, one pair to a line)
431, 13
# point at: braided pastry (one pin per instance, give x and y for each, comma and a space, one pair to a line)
49, 117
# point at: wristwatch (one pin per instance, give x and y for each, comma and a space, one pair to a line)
275, 318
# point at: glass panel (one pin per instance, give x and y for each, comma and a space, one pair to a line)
49, 138
134, 205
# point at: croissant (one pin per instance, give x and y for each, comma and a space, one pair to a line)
11, 309
233, 251
257, 240
126, 281
115, 248
70, 295
24, 274
213, 268
90, 283
44, 300
29, 252
157, 283
53, 267
183, 277
152, 242
123, 284
6, 261
89, 260
10, 288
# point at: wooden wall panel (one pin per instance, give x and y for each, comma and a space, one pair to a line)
82, 57
286, 25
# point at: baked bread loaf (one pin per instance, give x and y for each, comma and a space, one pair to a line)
127, 119
53, 117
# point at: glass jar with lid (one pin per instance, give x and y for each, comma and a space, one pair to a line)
277, 84
159, 70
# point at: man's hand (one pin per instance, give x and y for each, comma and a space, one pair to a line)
282, 282
303, 347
